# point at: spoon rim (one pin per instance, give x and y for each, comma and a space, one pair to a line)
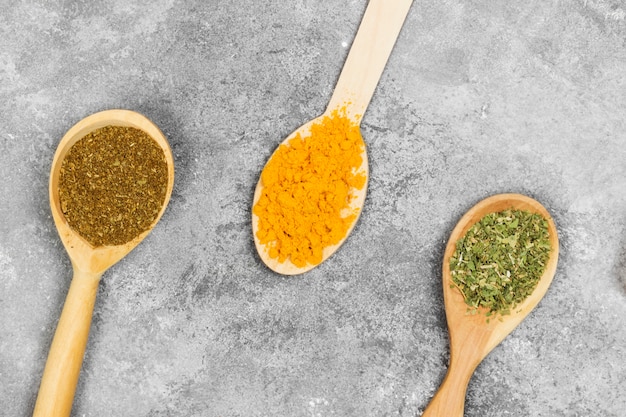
83, 254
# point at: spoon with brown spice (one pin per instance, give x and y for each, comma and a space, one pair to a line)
472, 337
142, 140
355, 87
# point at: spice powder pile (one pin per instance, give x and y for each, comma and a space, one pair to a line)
499, 261
112, 185
308, 186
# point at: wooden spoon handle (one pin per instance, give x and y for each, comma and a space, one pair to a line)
60, 376
368, 56
449, 401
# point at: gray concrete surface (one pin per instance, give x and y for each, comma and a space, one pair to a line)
478, 98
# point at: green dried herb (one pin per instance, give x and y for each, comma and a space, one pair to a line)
112, 184
499, 261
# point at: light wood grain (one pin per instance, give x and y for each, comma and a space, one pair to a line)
370, 50
60, 376
471, 337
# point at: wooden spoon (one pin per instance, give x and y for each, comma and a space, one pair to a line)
355, 87
471, 336
58, 384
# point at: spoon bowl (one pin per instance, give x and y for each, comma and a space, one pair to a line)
355, 205
58, 384
472, 337
353, 92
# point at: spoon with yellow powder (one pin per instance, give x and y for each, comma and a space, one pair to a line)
312, 189
138, 141
473, 336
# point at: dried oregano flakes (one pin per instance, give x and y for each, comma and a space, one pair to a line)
499, 261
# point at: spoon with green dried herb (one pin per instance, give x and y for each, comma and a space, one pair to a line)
497, 266
110, 182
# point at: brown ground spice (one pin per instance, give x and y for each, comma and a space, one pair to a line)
112, 185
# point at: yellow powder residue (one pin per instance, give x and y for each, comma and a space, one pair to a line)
307, 189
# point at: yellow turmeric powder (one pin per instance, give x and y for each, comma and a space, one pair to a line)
307, 189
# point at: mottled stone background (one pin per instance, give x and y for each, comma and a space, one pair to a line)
478, 98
